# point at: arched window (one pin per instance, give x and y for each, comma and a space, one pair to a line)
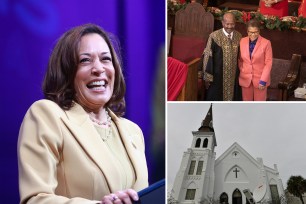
237, 197
192, 167
274, 194
199, 168
198, 142
190, 194
205, 143
223, 198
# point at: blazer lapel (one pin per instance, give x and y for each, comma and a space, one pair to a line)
246, 47
135, 154
83, 130
256, 46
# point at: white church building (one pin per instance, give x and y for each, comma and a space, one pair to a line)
204, 179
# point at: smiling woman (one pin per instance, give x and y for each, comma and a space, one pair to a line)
255, 64
75, 146
83, 52
94, 80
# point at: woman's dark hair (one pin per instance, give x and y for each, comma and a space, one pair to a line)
253, 23
58, 84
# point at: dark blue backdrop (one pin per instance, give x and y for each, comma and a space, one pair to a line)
29, 30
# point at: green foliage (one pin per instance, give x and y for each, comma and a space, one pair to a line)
301, 23
238, 16
269, 22
272, 23
216, 12
286, 25
173, 6
296, 185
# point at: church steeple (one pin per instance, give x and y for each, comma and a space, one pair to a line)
207, 123
195, 179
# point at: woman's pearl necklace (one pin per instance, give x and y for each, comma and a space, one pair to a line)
102, 123
105, 124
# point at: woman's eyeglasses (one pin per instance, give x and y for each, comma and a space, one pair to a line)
253, 33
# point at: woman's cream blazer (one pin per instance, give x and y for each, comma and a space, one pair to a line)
62, 159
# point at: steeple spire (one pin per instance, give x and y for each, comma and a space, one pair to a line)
207, 123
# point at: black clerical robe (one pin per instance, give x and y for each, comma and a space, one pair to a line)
220, 67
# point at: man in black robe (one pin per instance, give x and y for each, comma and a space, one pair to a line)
220, 66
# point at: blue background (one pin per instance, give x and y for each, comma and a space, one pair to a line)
29, 31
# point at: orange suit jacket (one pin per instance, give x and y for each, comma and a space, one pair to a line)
62, 158
259, 66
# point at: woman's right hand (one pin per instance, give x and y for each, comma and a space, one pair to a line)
121, 197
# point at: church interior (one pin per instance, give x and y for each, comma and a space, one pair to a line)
189, 24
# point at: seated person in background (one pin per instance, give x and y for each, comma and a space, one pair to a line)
274, 7
302, 9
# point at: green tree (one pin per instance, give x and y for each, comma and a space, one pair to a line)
296, 185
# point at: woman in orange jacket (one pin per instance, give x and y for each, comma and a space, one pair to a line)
255, 63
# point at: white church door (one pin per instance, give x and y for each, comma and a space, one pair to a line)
237, 197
